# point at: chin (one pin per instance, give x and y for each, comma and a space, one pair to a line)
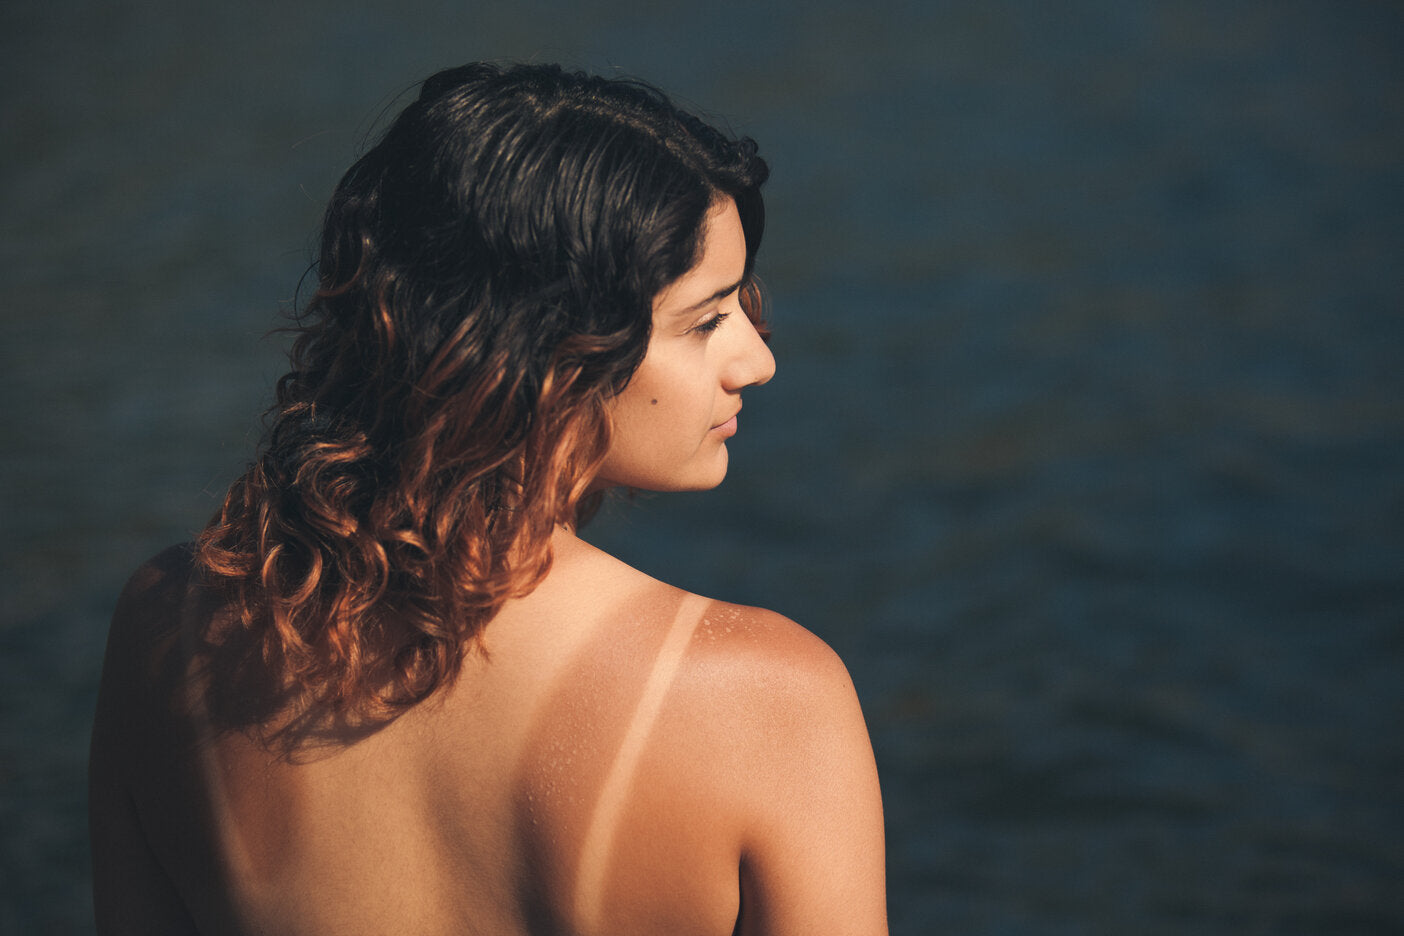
680, 485
706, 480
672, 484
704, 485
692, 476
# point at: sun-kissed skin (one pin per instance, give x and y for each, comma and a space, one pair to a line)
673, 419
622, 757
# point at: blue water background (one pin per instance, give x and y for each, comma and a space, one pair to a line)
1085, 450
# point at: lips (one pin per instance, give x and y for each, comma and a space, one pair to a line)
728, 428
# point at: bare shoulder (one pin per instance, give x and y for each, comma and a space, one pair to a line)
146, 620
133, 729
144, 637
739, 659
170, 565
782, 702
770, 667
795, 750
146, 664
155, 592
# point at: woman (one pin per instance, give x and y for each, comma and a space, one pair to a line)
389, 690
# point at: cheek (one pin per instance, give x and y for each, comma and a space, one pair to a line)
639, 411
669, 403
680, 409
662, 394
642, 398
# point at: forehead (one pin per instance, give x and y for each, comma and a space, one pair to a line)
720, 269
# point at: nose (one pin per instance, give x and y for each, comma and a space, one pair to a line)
751, 363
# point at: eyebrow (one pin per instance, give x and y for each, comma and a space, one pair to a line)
719, 294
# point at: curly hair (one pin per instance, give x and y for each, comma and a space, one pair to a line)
484, 287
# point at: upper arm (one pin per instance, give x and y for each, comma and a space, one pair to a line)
812, 850
132, 893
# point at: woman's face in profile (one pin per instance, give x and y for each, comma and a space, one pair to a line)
672, 421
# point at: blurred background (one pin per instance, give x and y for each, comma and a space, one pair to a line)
1085, 449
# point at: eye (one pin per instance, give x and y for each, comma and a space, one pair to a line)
710, 325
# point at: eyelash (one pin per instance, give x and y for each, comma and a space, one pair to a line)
711, 325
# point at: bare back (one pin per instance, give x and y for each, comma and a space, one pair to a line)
624, 757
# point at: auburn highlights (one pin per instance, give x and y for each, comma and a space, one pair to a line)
484, 286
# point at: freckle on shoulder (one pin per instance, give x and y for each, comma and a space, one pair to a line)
771, 647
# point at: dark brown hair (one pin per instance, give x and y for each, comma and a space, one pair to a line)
485, 285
